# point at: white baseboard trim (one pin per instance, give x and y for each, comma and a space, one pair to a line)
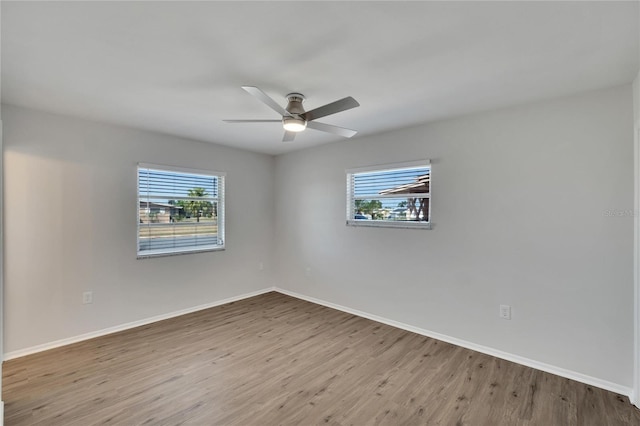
122, 327
558, 371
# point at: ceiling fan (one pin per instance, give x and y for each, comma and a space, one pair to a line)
295, 119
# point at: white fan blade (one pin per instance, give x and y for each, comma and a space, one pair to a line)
347, 133
332, 108
252, 121
266, 99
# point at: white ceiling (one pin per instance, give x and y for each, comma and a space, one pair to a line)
177, 67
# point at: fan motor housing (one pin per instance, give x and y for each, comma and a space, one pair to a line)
294, 106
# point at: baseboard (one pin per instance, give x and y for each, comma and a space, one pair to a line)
122, 327
558, 371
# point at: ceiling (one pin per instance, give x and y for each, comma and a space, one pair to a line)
178, 67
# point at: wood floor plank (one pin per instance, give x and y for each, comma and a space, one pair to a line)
276, 360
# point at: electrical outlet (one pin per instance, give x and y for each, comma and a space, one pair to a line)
307, 272
87, 297
505, 312
260, 266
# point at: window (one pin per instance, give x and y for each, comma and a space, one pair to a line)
179, 210
393, 195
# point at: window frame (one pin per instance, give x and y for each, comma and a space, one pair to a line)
220, 209
350, 221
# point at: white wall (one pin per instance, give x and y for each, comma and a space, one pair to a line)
70, 216
520, 201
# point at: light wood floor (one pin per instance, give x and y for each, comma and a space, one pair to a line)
273, 359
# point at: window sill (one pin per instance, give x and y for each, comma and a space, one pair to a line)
389, 224
158, 253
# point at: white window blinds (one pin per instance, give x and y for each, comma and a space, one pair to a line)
391, 195
179, 210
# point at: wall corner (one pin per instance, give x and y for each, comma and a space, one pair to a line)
635, 400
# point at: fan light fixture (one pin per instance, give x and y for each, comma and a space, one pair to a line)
294, 124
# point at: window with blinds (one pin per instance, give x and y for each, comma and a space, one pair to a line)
393, 195
179, 210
